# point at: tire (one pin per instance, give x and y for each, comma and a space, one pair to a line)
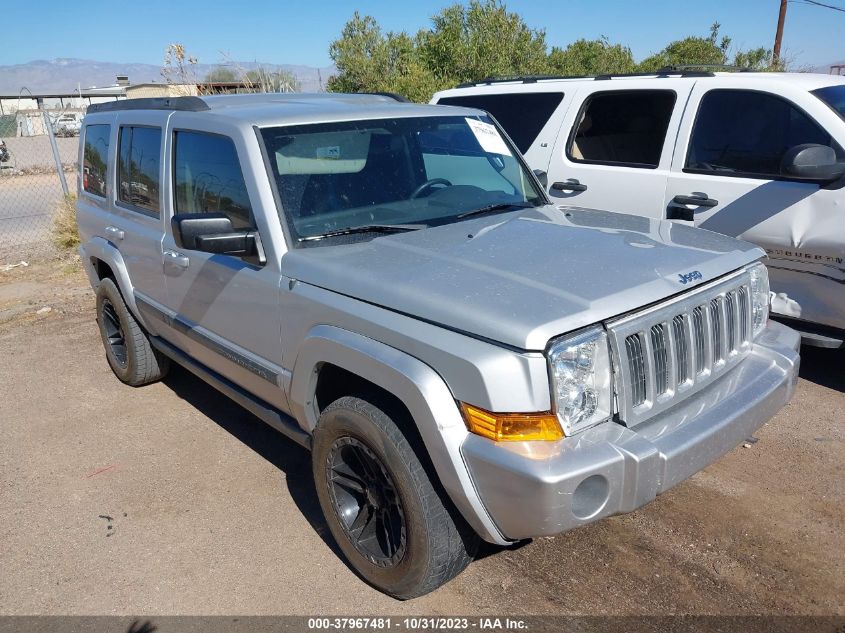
419, 544
128, 351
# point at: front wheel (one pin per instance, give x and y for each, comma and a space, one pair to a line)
381, 507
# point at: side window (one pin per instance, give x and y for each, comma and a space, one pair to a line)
745, 132
138, 167
623, 128
522, 115
95, 159
207, 177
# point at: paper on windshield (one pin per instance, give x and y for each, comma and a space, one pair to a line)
488, 137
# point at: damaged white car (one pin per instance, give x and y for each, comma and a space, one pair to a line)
754, 155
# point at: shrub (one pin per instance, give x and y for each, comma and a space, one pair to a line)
65, 230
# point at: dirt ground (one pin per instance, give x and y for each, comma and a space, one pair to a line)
170, 499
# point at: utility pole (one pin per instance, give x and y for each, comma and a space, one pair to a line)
779, 34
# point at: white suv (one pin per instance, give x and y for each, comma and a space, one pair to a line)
754, 155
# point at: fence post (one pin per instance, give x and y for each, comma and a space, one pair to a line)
58, 159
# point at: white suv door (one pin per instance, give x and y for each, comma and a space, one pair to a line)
614, 149
727, 159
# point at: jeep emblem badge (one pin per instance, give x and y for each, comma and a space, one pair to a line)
694, 275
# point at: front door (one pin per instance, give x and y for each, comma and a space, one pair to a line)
728, 160
225, 308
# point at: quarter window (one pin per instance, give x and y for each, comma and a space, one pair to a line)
746, 133
207, 177
138, 167
623, 128
522, 115
95, 159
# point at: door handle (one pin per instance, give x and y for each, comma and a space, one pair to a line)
570, 184
177, 259
699, 201
114, 232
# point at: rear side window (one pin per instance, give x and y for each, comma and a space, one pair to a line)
623, 128
522, 115
138, 170
833, 96
207, 177
746, 133
95, 159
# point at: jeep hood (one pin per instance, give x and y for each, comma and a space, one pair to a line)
522, 278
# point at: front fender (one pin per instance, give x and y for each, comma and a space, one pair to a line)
417, 385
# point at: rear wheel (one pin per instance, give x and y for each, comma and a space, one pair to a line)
381, 506
128, 351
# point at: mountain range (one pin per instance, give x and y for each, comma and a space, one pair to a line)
66, 74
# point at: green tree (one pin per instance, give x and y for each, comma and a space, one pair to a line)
482, 39
464, 43
369, 60
591, 57
690, 51
221, 74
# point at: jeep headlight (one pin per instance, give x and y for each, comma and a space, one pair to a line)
759, 297
579, 367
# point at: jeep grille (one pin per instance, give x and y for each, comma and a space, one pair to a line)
669, 351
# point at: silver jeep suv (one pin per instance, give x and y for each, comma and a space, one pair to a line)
388, 284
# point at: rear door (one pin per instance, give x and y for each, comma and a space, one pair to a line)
225, 309
728, 157
615, 146
135, 226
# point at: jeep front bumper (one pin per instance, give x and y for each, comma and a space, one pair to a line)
537, 488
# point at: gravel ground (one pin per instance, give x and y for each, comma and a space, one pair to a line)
169, 499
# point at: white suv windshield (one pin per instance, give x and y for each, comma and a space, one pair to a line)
393, 173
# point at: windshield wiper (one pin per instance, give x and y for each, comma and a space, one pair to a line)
367, 228
500, 206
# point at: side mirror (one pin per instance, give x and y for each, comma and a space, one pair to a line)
213, 233
543, 177
811, 162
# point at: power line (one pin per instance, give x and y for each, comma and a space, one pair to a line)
820, 4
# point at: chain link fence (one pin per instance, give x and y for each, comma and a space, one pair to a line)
31, 187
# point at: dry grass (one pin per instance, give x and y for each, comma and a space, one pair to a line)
65, 231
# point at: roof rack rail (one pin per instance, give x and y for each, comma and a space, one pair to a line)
185, 104
684, 70
688, 67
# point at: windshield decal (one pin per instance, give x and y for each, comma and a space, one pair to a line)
488, 137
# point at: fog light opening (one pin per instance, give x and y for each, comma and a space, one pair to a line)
590, 497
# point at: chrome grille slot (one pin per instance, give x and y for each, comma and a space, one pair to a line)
634, 348
661, 365
672, 350
730, 320
679, 331
744, 312
698, 335
716, 329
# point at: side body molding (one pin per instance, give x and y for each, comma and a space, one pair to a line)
417, 385
100, 248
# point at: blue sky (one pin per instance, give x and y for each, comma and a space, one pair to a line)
300, 32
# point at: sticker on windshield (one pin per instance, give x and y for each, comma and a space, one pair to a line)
488, 137
332, 153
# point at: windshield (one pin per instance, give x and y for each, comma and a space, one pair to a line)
834, 96
403, 174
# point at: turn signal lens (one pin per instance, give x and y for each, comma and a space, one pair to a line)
512, 427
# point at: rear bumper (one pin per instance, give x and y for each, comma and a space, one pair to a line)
535, 489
